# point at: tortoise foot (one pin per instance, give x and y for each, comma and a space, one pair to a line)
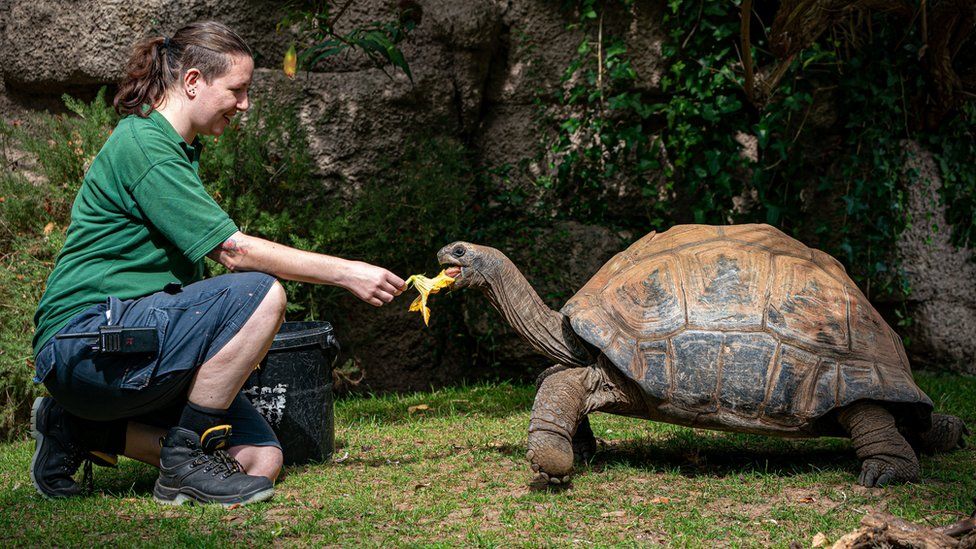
880, 471
550, 456
948, 433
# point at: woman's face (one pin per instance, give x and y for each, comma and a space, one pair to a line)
217, 101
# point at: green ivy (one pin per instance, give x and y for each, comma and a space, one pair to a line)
838, 185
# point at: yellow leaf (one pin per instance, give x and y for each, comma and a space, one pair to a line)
49, 228
427, 286
291, 62
417, 408
819, 540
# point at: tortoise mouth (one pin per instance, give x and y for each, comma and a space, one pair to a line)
452, 267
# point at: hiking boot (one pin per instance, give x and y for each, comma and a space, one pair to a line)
59, 452
190, 469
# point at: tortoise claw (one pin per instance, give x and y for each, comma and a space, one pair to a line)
878, 472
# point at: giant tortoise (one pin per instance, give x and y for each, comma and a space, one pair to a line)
736, 328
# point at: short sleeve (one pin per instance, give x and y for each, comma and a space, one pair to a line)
172, 198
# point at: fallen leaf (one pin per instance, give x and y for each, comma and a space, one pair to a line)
48, 228
290, 64
819, 540
805, 500
417, 408
614, 514
344, 457
421, 486
660, 499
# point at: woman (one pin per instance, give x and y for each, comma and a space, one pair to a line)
141, 226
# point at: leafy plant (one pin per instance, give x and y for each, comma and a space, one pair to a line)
379, 41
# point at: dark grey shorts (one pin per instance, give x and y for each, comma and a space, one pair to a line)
193, 323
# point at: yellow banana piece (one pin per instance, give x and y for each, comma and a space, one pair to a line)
427, 286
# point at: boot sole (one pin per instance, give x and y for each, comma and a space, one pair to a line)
39, 441
179, 496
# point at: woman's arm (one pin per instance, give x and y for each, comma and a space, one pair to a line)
374, 285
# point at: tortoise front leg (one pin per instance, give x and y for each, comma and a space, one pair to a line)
886, 457
584, 442
561, 404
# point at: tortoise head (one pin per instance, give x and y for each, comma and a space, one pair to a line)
471, 265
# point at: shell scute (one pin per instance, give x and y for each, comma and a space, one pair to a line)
725, 286
824, 396
745, 363
807, 305
870, 335
793, 373
647, 301
652, 368
696, 359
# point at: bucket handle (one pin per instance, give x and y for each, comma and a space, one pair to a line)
330, 342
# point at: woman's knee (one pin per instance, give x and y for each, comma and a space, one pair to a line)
275, 300
259, 460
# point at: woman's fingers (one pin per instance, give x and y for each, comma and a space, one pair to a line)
398, 283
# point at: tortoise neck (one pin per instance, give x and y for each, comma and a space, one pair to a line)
548, 331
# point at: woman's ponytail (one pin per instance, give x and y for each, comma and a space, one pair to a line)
149, 73
157, 63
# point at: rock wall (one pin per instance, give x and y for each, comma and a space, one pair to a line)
478, 66
942, 303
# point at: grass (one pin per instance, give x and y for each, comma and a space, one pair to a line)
455, 475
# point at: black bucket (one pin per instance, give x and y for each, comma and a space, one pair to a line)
293, 390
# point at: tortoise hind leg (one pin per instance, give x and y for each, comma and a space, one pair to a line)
947, 433
584, 442
561, 404
886, 457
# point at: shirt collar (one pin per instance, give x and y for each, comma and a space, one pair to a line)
191, 149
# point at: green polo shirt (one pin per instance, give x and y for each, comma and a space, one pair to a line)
141, 220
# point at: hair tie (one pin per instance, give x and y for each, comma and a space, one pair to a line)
166, 43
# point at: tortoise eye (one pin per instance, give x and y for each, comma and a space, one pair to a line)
458, 251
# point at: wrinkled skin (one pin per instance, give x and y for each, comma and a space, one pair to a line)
580, 383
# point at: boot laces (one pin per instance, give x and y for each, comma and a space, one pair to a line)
74, 458
228, 465
217, 462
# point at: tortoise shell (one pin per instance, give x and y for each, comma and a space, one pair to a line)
743, 328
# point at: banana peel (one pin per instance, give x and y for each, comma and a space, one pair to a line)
427, 286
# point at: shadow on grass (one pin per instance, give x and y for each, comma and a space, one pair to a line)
715, 460
719, 461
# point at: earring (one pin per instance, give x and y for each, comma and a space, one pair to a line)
193, 91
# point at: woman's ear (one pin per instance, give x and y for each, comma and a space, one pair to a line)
190, 79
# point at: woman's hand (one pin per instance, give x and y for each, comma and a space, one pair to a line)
374, 285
